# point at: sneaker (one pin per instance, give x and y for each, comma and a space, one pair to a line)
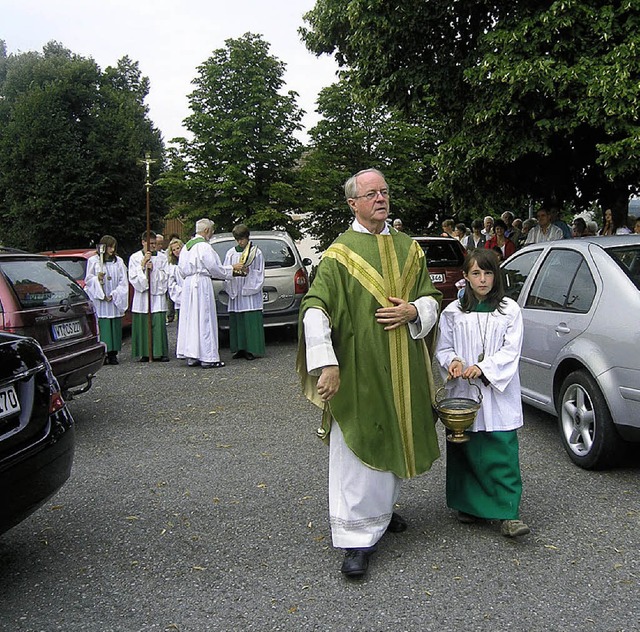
514, 528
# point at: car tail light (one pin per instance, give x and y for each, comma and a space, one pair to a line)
55, 402
301, 281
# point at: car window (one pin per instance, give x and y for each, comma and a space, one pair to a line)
443, 253
75, 268
516, 272
276, 252
40, 283
628, 258
564, 283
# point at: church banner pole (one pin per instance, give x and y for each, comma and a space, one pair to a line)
148, 162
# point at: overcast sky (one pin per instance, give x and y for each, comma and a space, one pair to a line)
169, 39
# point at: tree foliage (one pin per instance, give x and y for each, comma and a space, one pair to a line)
70, 138
238, 164
536, 99
354, 134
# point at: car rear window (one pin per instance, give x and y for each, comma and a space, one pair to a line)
628, 258
40, 283
443, 253
75, 268
276, 252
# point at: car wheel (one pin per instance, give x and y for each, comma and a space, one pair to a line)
586, 428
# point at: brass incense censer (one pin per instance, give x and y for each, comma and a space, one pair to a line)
457, 413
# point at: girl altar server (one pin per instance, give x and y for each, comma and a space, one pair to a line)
480, 337
107, 285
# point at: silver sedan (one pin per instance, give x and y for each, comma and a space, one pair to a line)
580, 300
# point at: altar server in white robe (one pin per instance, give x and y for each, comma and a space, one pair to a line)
198, 330
479, 343
107, 285
246, 327
147, 268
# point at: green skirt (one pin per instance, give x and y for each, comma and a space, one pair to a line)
483, 475
111, 333
140, 337
246, 332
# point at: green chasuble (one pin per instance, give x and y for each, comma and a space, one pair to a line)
384, 404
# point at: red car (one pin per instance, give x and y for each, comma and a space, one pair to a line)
74, 263
39, 300
445, 257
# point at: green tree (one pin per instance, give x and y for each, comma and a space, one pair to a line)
237, 165
354, 134
70, 139
536, 100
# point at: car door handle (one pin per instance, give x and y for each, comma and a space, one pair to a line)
562, 329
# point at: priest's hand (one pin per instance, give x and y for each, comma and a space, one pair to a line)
400, 314
329, 382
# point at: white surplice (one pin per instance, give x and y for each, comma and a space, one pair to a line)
115, 284
462, 335
176, 281
361, 499
198, 330
159, 281
245, 293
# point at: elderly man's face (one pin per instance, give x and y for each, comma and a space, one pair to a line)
371, 204
544, 218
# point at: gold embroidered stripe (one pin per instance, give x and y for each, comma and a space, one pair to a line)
361, 270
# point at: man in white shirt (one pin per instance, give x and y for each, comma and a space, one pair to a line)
545, 230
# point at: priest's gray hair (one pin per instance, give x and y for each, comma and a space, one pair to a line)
204, 224
351, 185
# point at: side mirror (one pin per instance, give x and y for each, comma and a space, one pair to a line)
306, 261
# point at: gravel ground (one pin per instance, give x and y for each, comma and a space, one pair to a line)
198, 502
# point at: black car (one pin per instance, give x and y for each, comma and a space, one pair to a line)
36, 430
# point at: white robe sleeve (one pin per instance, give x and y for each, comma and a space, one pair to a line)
427, 307
137, 275
92, 285
254, 280
120, 294
500, 367
317, 335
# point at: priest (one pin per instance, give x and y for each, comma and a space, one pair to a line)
363, 359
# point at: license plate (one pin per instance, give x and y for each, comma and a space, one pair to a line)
66, 330
9, 404
437, 278
265, 297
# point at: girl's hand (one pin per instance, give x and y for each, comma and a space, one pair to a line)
456, 368
472, 372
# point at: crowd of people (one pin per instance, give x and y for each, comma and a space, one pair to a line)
508, 233
176, 283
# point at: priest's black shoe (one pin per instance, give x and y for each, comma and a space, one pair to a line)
356, 562
397, 524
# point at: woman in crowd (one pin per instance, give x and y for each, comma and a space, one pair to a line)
499, 242
613, 225
476, 238
175, 276
107, 285
479, 340
246, 329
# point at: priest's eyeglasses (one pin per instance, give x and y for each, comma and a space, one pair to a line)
372, 195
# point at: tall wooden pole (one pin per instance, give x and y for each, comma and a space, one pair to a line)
148, 162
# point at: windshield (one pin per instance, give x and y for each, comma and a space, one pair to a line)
628, 258
40, 283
